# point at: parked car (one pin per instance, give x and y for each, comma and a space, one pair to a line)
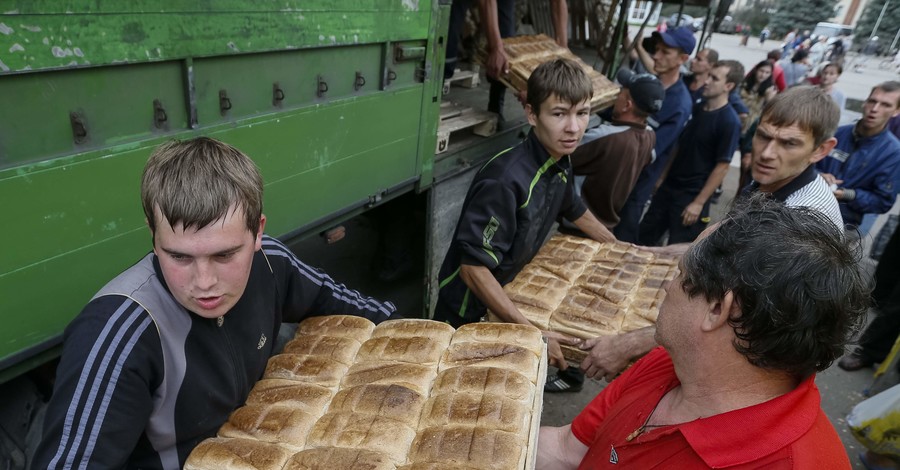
686, 20
728, 26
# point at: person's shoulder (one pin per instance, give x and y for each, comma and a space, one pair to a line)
819, 447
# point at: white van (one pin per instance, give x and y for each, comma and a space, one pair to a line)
832, 31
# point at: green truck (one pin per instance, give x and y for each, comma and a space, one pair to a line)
337, 102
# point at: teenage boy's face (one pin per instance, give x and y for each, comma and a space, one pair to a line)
667, 58
560, 124
207, 269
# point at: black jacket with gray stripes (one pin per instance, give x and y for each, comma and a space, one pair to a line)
142, 380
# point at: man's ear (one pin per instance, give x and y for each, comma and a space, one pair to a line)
259, 233
823, 150
720, 312
532, 116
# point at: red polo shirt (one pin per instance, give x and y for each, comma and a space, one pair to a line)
790, 431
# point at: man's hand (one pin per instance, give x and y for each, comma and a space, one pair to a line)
553, 341
497, 63
831, 179
839, 194
691, 213
608, 357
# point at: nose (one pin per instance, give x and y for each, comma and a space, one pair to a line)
767, 152
205, 276
573, 124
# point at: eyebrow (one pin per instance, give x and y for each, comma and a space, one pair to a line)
763, 133
227, 251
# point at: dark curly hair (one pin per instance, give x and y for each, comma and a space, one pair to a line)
796, 280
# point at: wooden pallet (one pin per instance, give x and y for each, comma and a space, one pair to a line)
456, 118
463, 78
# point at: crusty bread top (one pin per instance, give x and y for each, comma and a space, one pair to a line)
585, 315
281, 424
414, 349
304, 368
538, 287
525, 336
363, 431
492, 380
417, 377
347, 326
388, 400
340, 349
435, 466
469, 446
476, 409
304, 396
406, 327
237, 454
339, 458
506, 356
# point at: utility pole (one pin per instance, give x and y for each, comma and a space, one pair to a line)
880, 16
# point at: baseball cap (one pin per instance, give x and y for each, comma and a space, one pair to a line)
646, 90
681, 37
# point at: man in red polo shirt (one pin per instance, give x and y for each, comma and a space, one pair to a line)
763, 301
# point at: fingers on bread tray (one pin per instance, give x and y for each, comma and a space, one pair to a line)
412, 394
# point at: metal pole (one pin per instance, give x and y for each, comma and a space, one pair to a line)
895, 40
878, 21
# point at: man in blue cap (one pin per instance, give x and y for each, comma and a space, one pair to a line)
668, 51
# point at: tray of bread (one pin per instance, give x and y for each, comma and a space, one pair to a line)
525, 53
583, 288
406, 394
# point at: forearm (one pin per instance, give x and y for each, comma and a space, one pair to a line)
712, 182
560, 11
589, 224
485, 286
643, 55
559, 449
490, 23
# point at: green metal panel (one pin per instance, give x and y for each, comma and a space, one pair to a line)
70, 34
76, 206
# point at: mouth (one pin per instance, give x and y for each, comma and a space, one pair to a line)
209, 303
569, 144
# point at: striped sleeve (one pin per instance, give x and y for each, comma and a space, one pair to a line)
102, 397
309, 291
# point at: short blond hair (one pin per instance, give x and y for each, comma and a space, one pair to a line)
563, 78
198, 181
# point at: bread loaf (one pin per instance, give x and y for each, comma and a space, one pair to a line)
339, 458
614, 284
468, 446
476, 409
567, 270
414, 349
505, 356
362, 431
282, 424
303, 368
346, 326
237, 454
493, 380
338, 348
564, 248
538, 287
538, 317
585, 315
310, 398
417, 377
387, 400
405, 328
525, 336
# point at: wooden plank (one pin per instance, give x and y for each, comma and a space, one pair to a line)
537, 408
456, 118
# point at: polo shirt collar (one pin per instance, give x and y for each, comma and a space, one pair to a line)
762, 428
807, 176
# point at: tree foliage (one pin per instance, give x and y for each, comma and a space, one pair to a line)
756, 14
888, 27
800, 14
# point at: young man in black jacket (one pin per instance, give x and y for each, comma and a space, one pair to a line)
163, 354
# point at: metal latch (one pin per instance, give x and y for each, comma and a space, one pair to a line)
405, 53
159, 115
277, 95
321, 86
79, 127
224, 102
359, 82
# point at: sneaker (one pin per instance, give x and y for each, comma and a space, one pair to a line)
854, 361
556, 384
